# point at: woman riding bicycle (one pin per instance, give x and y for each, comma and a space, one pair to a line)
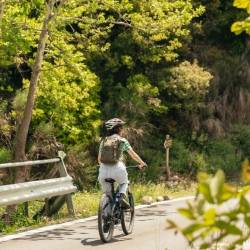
111, 159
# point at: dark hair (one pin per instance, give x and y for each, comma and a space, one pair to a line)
115, 130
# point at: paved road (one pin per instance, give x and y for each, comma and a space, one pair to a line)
149, 234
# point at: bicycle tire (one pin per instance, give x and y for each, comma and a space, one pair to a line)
128, 229
105, 236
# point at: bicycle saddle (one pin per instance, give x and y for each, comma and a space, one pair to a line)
110, 180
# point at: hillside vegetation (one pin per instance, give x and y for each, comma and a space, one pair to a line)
166, 67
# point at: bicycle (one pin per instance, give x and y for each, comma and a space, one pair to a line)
111, 213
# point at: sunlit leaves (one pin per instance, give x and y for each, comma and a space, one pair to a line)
216, 186
186, 212
188, 81
209, 216
204, 189
240, 26
245, 176
18, 30
243, 4
219, 212
67, 91
68, 97
158, 25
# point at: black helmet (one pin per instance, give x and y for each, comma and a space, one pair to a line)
112, 123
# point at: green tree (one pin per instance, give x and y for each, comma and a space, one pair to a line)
101, 58
77, 96
144, 39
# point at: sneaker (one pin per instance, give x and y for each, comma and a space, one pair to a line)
124, 202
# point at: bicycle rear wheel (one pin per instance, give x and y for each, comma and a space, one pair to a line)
128, 216
105, 222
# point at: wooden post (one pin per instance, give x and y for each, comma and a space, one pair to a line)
167, 145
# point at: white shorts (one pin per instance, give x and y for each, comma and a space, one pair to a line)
118, 172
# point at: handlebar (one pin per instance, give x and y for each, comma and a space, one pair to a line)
136, 167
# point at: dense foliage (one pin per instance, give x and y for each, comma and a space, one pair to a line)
166, 67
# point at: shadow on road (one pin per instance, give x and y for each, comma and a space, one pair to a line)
56, 234
96, 242
148, 212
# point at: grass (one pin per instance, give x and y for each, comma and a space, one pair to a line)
86, 204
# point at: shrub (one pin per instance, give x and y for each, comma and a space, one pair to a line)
82, 166
241, 139
221, 153
198, 161
180, 157
5, 155
155, 160
189, 81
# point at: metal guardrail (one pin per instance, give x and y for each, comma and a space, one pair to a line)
33, 190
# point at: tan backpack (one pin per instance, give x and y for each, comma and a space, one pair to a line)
111, 150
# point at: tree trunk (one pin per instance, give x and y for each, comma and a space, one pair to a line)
2, 5
22, 131
23, 128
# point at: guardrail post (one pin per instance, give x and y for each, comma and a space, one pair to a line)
26, 209
47, 207
63, 173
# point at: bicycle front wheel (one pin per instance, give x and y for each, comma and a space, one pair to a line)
128, 216
105, 222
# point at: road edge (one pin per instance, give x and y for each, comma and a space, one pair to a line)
73, 222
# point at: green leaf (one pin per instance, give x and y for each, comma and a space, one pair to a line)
204, 189
189, 230
205, 246
244, 205
237, 27
229, 191
187, 213
200, 206
171, 225
229, 228
247, 221
210, 216
216, 185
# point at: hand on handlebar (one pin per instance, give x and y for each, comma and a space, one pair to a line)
142, 165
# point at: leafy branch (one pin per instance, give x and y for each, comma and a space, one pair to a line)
217, 212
